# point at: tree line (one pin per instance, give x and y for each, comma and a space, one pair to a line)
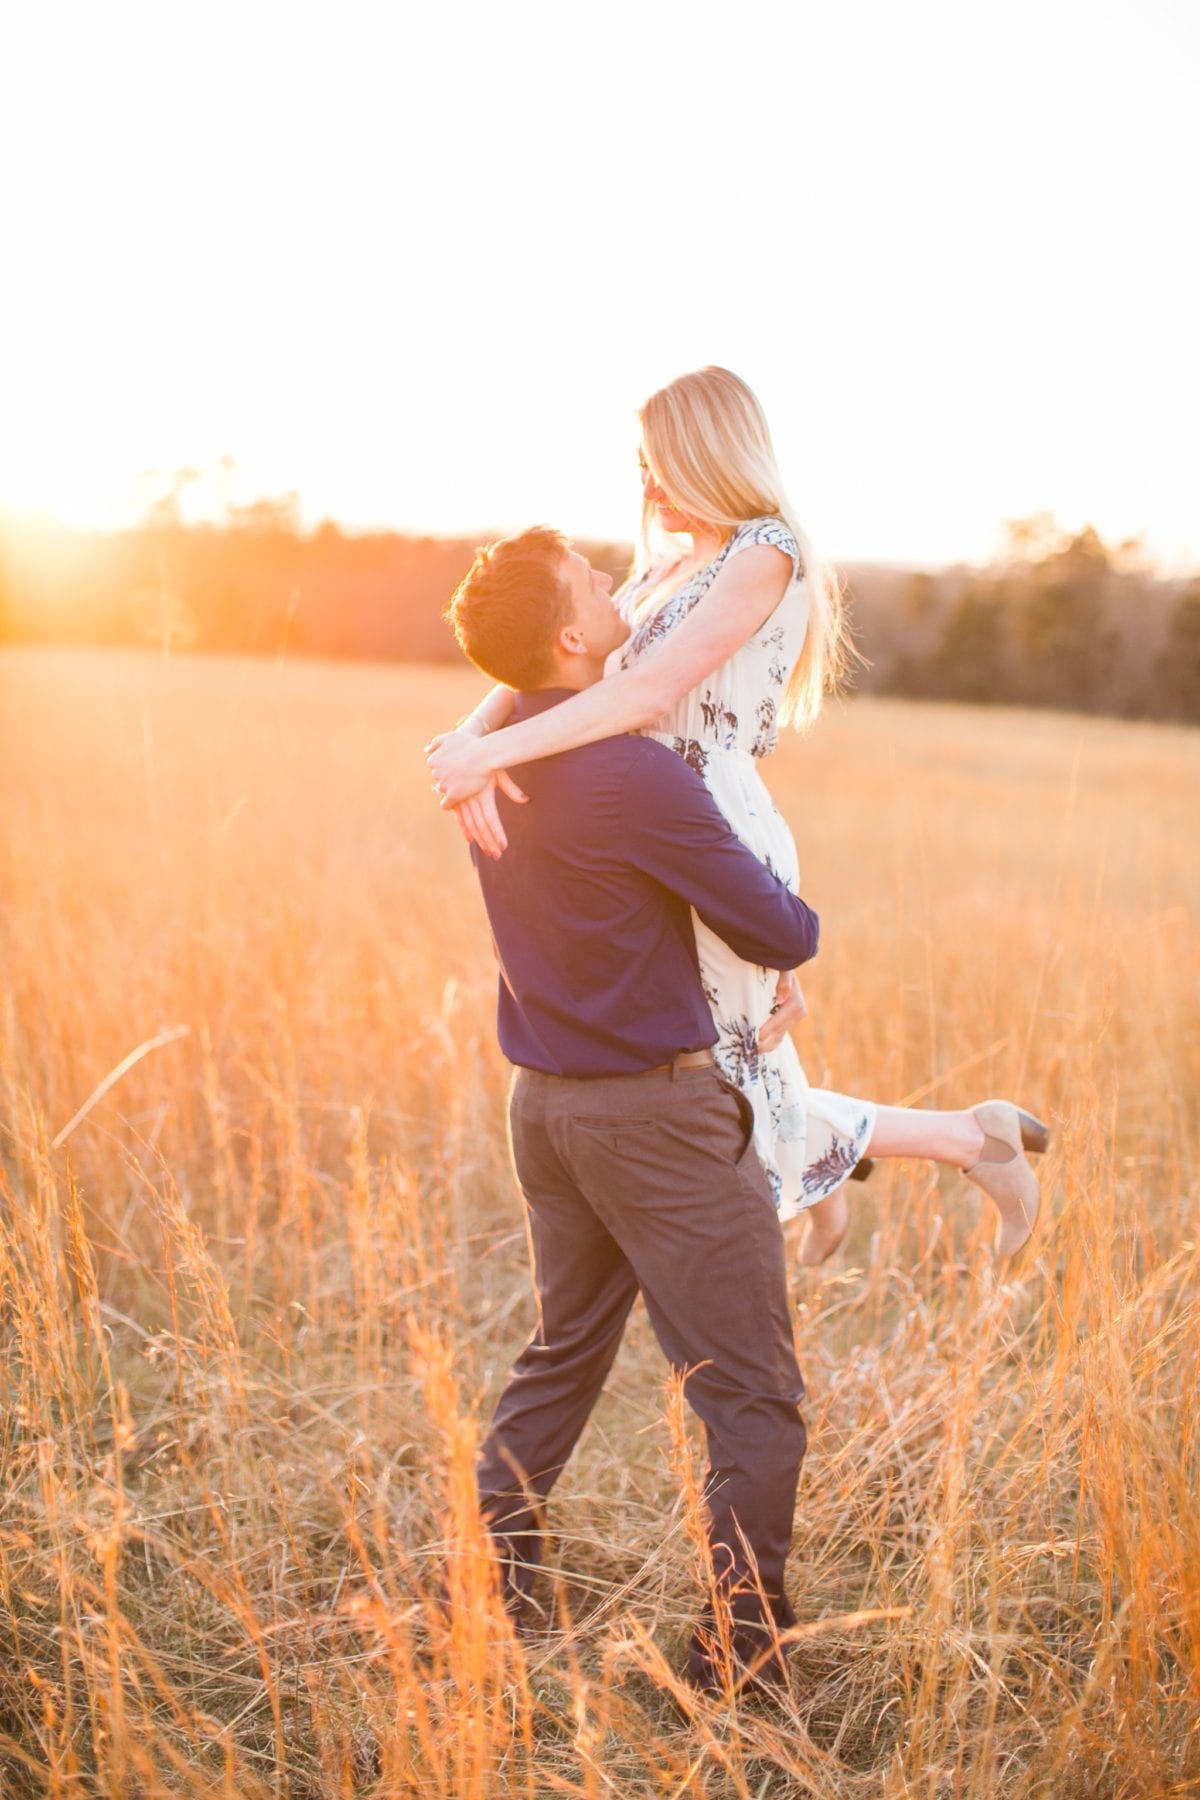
1060, 619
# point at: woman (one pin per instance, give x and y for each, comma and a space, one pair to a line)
733, 633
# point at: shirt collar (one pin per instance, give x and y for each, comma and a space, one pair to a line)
538, 700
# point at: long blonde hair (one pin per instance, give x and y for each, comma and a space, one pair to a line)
706, 442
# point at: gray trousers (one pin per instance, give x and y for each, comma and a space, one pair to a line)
650, 1182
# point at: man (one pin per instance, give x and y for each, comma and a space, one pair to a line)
633, 1154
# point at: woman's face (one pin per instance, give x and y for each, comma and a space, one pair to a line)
669, 516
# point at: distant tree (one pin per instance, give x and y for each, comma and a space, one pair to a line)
1030, 540
274, 515
898, 629
1177, 675
1067, 645
973, 661
920, 600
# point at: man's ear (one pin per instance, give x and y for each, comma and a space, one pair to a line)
570, 640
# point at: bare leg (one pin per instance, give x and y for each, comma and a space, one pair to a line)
827, 1222
946, 1137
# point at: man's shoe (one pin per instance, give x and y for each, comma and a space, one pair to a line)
755, 1664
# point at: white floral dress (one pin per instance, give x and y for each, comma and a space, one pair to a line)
808, 1139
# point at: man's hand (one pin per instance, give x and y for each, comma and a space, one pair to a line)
479, 821
465, 783
789, 1008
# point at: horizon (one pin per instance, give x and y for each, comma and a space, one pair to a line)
1132, 553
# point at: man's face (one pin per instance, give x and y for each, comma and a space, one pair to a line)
595, 617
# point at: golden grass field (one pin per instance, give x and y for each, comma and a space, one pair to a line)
256, 1303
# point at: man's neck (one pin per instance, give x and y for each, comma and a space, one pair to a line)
577, 675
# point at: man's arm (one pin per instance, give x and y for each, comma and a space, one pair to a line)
674, 831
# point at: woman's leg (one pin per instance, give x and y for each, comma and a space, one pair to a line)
987, 1141
949, 1137
946, 1137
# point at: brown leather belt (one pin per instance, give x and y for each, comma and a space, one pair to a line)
687, 1059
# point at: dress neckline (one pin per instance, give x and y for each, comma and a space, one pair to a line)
673, 593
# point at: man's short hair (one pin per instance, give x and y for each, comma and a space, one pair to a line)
510, 606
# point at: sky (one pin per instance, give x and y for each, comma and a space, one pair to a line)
421, 264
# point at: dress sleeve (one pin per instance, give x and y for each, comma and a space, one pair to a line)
768, 531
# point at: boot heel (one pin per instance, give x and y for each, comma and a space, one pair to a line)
1034, 1135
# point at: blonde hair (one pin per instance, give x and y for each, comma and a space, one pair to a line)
706, 443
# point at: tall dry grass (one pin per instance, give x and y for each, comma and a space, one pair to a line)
256, 1301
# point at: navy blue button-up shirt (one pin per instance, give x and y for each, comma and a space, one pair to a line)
590, 906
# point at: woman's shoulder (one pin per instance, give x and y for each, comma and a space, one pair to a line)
769, 529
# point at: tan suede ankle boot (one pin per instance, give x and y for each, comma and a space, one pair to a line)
1003, 1171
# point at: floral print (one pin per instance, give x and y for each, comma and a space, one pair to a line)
692, 752
739, 702
830, 1170
808, 1139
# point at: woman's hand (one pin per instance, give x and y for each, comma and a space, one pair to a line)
789, 1008
460, 764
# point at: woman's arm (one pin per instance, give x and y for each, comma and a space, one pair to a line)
478, 819
492, 714
740, 600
